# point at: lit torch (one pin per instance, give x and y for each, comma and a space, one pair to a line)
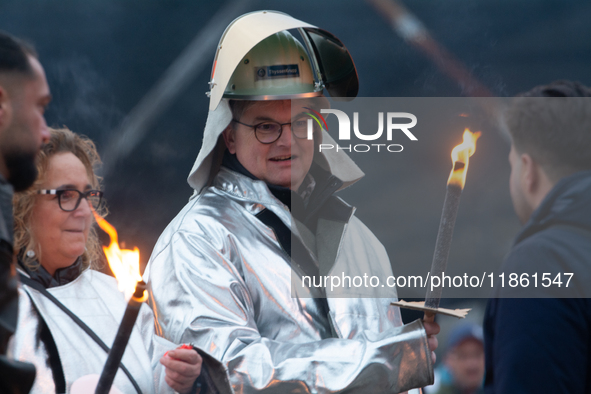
460, 156
125, 265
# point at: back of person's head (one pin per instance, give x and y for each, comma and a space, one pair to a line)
61, 141
552, 123
14, 55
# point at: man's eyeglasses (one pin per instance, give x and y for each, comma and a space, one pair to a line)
69, 199
269, 132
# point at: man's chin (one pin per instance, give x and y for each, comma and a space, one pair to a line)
21, 169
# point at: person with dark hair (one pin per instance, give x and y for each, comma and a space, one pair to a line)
540, 342
24, 94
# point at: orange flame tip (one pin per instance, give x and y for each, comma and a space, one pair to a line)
124, 263
460, 156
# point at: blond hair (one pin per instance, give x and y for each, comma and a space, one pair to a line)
61, 140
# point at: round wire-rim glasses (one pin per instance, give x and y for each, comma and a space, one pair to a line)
268, 132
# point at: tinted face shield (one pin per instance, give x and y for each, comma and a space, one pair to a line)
332, 62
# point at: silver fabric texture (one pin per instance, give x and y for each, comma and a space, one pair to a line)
219, 279
94, 298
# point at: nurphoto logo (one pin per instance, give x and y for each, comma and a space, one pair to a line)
393, 126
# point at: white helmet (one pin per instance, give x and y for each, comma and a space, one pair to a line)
276, 68
257, 59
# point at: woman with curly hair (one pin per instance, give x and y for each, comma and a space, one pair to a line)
65, 305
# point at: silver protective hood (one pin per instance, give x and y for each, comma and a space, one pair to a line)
209, 159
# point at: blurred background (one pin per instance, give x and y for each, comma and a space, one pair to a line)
132, 75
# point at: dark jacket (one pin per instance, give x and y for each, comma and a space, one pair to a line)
15, 376
543, 345
8, 284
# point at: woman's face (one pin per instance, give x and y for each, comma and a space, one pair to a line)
61, 235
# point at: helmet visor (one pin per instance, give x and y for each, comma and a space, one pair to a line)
334, 62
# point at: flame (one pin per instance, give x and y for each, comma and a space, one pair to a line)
460, 156
124, 263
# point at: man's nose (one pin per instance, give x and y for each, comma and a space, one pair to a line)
286, 135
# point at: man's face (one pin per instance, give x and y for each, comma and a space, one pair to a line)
466, 364
520, 204
284, 162
26, 131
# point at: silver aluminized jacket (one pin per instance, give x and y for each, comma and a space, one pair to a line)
94, 298
220, 280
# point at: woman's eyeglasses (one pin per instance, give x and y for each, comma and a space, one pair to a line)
69, 199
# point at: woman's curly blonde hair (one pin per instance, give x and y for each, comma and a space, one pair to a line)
61, 141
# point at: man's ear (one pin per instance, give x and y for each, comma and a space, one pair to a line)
530, 174
536, 183
5, 109
230, 139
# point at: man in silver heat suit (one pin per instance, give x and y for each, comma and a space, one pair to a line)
227, 273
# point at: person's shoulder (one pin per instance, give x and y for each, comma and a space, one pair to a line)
201, 208
359, 230
551, 244
529, 251
91, 278
205, 215
539, 248
355, 224
551, 259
